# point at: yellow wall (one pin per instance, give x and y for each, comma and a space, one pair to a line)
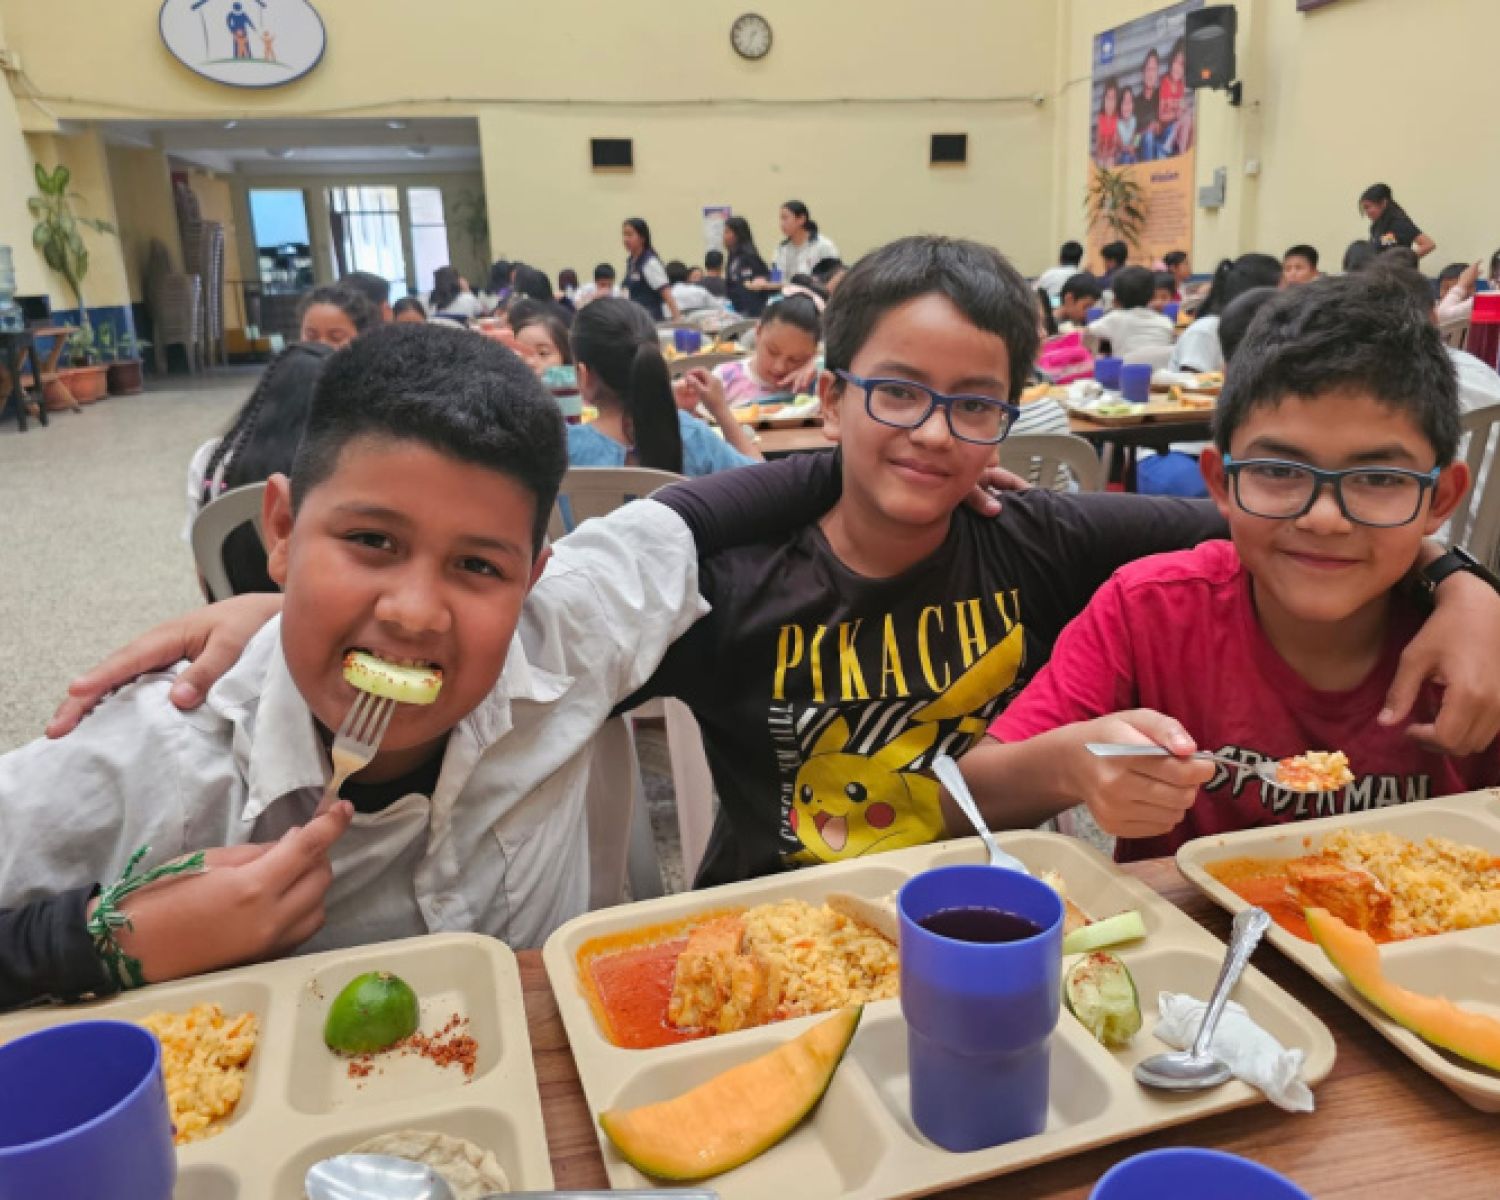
83, 153
142, 185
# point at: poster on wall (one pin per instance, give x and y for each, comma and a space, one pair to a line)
714, 216
244, 43
1142, 130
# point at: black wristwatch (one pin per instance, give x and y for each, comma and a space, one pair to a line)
1457, 559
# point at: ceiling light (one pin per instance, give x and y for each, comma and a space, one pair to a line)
420, 150
395, 124
280, 151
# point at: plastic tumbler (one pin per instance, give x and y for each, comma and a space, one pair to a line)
1093, 314
83, 1114
1188, 1171
687, 341
1107, 372
1135, 382
979, 1015
1170, 310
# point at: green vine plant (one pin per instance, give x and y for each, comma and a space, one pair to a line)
1115, 200
57, 234
472, 219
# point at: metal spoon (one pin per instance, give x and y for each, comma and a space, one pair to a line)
951, 778
1265, 770
1196, 1069
386, 1177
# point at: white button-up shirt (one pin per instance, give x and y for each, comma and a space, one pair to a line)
501, 845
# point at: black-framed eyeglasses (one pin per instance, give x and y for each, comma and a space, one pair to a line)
1382, 497
902, 404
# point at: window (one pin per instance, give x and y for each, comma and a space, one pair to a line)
278, 217
366, 225
429, 234
612, 154
949, 149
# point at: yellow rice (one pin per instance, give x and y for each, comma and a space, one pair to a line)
826, 961
203, 1058
1435, 885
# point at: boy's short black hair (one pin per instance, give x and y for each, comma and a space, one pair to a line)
977, 279
677, 271
1237, 317
1164, 281
464, 396
1303, 250
1452, 271
1172, 258
1115, 252
1134, 287
604, 271
713, 260
374, 289
1369, 330
1070, 255
1082, 285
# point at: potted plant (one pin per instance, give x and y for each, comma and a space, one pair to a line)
56, 232
123, 358
85, 377
1118, 202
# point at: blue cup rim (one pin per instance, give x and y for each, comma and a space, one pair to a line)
1119, 1171
152, 1073
906, 919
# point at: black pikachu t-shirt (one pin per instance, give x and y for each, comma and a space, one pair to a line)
823, 696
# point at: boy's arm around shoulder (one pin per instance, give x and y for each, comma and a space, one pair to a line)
741, 507
72, 810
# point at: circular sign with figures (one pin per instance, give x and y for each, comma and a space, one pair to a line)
244, 43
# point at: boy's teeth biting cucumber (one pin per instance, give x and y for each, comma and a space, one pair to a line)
406, 685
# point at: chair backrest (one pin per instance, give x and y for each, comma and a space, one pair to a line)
735, 329
213, 525
1047, 459
1475, 523
1157, 356
1454, 332
681, 366
597, 491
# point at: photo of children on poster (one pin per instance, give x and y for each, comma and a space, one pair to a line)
1142, 119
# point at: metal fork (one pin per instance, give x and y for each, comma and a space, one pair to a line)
357, 740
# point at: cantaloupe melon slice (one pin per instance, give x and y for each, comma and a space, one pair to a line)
1435, 1019
738, 1114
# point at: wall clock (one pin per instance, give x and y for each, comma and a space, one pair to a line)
751, 36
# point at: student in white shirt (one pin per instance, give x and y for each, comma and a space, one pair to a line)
451, 297
1198, 348
602, 288
412, 526
1131, 325
690, 297
1052, 279
804, 247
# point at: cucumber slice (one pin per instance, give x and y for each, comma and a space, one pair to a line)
1122, 927
1101, 994
407, 685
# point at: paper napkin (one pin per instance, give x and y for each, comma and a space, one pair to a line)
1250, 1052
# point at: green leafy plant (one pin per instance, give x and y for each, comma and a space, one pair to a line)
131, 346
104, 339
1118, 202
57, 233
83, 346
472, 219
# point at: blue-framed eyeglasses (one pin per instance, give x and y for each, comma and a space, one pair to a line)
903, 404
1381, 497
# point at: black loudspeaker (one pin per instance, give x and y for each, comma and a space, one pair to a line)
1210, 46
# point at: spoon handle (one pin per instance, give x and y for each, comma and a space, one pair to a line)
1244, 936
951, 778
1122, 750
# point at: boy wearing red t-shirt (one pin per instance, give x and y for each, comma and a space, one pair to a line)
1334, 456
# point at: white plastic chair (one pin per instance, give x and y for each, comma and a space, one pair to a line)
1475, 523
1157, 356
1454, 332
597, 491
212, 526
1052, 456
621, 845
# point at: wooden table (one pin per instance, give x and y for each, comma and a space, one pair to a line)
1382, 1128
778, 442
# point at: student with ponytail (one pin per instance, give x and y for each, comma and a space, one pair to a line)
804, 247
1389, 224
622, 374
261, 441
1198, 348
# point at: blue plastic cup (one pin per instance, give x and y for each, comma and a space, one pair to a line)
979, 1015
687, 341
83, 1114
1107, 372
1188, 1171
1170, 310
1135, 382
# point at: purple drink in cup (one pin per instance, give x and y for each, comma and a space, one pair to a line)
979, 1013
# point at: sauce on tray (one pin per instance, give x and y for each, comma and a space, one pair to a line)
1263, 882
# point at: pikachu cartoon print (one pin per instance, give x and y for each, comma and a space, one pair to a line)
865, 787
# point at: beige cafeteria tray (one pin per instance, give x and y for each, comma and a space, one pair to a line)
1462, 966
300, 1105
861, 1142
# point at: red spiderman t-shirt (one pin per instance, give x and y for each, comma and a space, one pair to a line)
1178, 633
1169, 106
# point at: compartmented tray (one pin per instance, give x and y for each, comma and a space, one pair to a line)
300, 1103
861, 1141
1463, 965
1152, 412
